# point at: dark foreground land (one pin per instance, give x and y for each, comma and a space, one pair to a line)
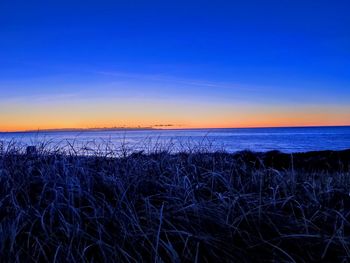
188, 207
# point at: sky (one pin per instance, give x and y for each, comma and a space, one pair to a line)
179, 64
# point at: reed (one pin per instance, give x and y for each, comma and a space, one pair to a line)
195, 206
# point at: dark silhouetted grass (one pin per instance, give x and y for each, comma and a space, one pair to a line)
184, 207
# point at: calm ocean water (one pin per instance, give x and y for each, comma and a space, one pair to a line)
256, 139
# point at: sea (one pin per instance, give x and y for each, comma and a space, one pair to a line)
289, 140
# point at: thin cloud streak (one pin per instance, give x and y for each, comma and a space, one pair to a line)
32, 98
177, 80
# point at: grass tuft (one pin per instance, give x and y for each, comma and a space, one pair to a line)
197, 206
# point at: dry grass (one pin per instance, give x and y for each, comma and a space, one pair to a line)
185, 207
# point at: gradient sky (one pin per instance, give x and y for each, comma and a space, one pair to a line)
66, 64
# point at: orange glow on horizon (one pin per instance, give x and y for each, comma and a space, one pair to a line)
273, 122
71, 115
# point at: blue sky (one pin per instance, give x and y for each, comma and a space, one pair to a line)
231, 58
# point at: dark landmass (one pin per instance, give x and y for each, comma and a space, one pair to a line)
93, 129
118, 128
185, 207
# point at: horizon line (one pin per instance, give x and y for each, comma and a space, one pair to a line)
158, 128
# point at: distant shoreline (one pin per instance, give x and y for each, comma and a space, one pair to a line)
164, 129
81, 130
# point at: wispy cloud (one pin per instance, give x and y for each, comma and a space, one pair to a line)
35, 98
178, 80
